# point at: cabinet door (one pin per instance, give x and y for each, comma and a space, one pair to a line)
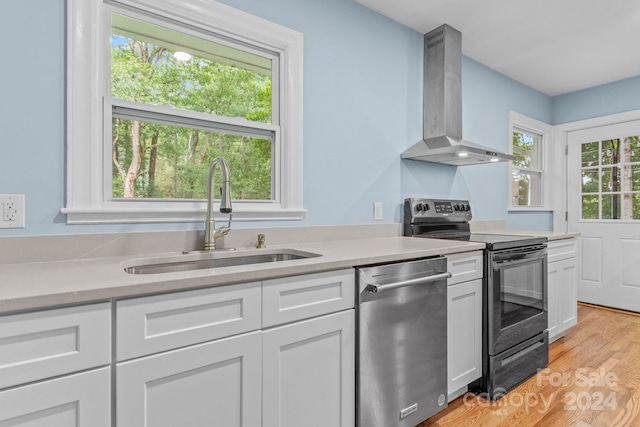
563, 298
211, 384
158, 323
568, 293
44, 344
80, 400
553, 282
464, 333
309, 373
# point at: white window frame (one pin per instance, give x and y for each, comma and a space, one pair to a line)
87, 28
521, 122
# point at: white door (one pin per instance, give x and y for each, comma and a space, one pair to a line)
309, 373
603, 199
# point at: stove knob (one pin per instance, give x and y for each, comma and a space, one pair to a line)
418, 207
456, 207
467, 207
425, 207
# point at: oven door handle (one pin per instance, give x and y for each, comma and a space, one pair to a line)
411, 282
519, 255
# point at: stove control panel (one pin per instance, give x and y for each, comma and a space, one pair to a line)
416, 209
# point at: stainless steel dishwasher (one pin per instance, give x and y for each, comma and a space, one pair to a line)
402, 342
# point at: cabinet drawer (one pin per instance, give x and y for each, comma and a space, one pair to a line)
158, 323
464, 267
43, 344
558, 250
300, 297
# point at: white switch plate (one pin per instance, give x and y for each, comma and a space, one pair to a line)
377, 211
12, 210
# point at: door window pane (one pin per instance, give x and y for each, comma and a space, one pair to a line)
611, 152
590, 181
632, 149
611, 179
590, 154
590, 207
611, 206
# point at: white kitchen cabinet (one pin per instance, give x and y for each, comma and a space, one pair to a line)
464, 321
43, 344
288, 299
309, 373
217, 383
78, 400
205, 357
562, 285
40, 345
157, 323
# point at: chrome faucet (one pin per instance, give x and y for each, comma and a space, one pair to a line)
211, 233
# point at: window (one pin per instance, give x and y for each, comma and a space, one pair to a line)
527, 183
158, 89
610, 172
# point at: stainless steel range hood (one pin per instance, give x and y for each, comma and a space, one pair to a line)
442, 135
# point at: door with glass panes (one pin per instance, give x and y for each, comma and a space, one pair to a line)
603, 199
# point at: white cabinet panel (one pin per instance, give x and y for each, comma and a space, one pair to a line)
309, 373
568, 294
80, 400
465, 266
43, 344
563, 287
464, 334
212, 384
157, 323
558, 250
294, 298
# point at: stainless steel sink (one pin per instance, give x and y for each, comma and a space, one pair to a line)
205, 260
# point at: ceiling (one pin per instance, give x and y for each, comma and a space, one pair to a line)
553, 46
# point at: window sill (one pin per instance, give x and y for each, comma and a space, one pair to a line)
118, 215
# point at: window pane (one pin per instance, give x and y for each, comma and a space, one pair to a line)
159, 161
610, 152
633, 181
632, 149
611, 179
611, 206
526, 148
526, 188
209, 77
590, 152
590, 181
590, 207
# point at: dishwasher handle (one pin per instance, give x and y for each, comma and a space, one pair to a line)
418, 281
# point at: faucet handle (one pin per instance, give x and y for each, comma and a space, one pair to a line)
261, 240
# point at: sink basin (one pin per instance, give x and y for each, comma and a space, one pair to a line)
205, 260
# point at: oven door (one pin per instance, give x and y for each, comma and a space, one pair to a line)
516, 296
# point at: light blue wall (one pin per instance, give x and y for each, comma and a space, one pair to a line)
362, 109
598, 101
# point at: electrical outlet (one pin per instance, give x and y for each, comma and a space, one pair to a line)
12, 206
377, 211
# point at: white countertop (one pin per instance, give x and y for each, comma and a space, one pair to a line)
36, 285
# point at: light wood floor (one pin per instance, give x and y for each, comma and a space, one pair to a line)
593, 379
